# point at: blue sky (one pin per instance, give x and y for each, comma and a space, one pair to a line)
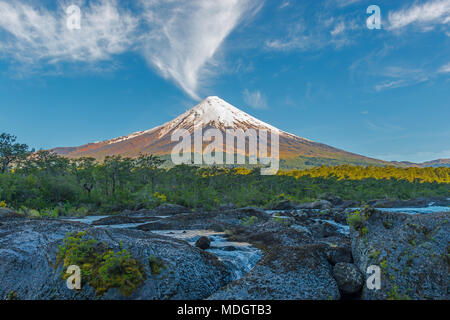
311, 68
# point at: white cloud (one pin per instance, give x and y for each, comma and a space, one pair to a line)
284, 5
403, 77
179, 38
344, 3
425, 14
338, 29
445, 68
186, 35
255, 99
33, 35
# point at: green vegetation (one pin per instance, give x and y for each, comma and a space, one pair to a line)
100, 266
156, 265
45, 184
374, 254
394, 294
249, 221
355, 219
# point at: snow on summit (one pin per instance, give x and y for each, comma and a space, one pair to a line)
218, 113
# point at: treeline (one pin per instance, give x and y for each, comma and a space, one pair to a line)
347, 172
46, 184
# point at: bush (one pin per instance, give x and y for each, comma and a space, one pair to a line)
100, 266
249, 221
354, 219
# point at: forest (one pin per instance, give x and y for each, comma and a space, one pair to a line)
45, 184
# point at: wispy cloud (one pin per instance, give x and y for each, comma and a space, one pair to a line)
384, 127
179, 38
185, 36
424, 15
255, 99
284, 5
35, 35
445, 68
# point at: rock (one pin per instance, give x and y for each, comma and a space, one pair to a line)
324, 229
119, 219
348, 277
226, 207
285, 273
285, 205
318, 205
250, 211
229, 248
170, 209
339, 253
270, 234
349, 204
203, 243
5, 213
333, 199
413, 203
411, 251
28, 250
214, 220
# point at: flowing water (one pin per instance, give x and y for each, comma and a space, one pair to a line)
238, 257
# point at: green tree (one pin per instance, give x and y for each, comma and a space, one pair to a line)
11, 152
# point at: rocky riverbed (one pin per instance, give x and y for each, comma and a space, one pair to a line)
319, 250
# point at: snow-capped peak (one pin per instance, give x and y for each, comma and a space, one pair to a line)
213, 111
218, 113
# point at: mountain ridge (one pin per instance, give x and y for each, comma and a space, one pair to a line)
214, 112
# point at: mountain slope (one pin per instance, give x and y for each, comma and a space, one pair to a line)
213, 112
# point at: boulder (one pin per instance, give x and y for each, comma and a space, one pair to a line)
333, 199
410, 250
339, 253
285, 205
318, 205
285, 273
28, 251
348, 277
203, 243
349, 204
226, 207
119, 219
170, 209
5, 213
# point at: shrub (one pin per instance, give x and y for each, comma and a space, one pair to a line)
100, 266
249, 221
354, 219
156, 265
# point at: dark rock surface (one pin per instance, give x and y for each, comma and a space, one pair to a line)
28, 250
285, 273
215, 220
308, 253
414, 203
348, 277
203, 243
319, 205
412, 252
285, 205
120, 219
170, 209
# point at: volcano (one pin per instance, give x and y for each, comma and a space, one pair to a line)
214, 112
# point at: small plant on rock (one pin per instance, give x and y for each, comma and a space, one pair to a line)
101, 267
